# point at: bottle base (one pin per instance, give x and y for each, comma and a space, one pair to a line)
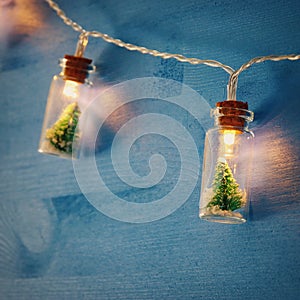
48, 149
222, 219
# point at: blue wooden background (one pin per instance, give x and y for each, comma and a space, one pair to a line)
55, 245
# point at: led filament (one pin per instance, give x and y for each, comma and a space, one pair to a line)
71, 89
229, 138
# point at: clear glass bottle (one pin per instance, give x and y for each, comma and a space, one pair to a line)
227, 164
61, 127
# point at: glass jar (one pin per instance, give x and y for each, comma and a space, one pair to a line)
61, 127
227, 164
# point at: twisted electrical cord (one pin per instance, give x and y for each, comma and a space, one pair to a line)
131, 47
232, 84
233, 79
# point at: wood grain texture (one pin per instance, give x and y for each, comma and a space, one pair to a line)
55, 245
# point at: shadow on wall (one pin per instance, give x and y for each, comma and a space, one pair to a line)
27, 231
276, 174
284, 99
18, 20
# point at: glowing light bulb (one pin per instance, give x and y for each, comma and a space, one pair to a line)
229, 137
71, 89
229, 140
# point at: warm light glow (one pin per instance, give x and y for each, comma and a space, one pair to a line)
71, 89
19, 19
229, 137
229, 140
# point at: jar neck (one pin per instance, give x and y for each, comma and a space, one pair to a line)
232, 115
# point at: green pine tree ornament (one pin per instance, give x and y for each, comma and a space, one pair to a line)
227, 196
62, 133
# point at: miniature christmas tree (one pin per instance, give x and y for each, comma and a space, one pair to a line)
62, 133
227, 196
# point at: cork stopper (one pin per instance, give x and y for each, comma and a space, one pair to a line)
232, 113
76, 68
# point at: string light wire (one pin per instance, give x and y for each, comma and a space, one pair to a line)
232, 84
233, 79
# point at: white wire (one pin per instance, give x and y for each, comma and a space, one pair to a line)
233, 79
131, 47
232, 84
